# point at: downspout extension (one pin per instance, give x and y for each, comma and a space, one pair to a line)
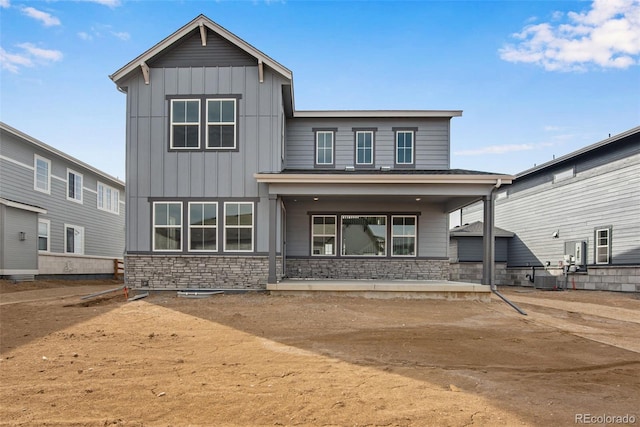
492, 286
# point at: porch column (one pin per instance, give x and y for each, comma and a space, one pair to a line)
273, 232
488, 240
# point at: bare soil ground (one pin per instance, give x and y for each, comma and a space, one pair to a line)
255, 359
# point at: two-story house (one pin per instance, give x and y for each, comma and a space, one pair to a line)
229, 186
58, 215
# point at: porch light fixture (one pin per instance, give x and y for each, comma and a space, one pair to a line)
418, 199
315, 199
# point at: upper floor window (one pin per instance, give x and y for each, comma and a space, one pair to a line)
41, 174
221, 123
404, 147
364, 148
603, 245
167, 226
324, 148
238, 227
74, 186
73, 239
185, 123
108, 198
44, 226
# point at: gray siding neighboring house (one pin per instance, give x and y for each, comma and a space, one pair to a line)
586, 205
60, 216
229, 186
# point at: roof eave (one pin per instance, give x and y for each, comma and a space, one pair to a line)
377, 113
329, 178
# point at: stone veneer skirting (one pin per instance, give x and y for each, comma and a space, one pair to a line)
602, 278
197, 271
367, 268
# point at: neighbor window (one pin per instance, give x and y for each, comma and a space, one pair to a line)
42, 174
185, 123
323, 231
108, 198
167, 226
603, 245
74, 186
403, 235
364, 148
43, 235
324, 148
404, 147
364, 235
238, 226
73, 239
221, 123
203, 226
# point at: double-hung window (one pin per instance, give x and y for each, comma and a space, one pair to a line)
324, 148
185, 124
364, 235
364, 148
403, 235
238, 226
323, 231
405, 147
167, 226
73, 239
203, 226
221, 123
41, 174
603, 245
108, 198
74, 186
44, 226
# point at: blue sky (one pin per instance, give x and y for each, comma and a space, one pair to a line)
535, 79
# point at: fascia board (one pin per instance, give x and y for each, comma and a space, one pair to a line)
377, 113
173, 38
381, 179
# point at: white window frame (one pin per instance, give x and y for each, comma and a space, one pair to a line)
37, 158
333, 144
226, 227
190, 226
175, 226
413, 147
80, 230
233, 124
172, 123
110, 195
563, 175
386, 234
362, 132
606, 247
75, 185
48, 235
414, 235
334, 235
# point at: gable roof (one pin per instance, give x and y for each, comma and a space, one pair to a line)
476, 229
198, 22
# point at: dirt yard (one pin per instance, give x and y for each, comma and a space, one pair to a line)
258, 360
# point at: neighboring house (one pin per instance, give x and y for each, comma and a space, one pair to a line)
584, 208
58, 215
229, 186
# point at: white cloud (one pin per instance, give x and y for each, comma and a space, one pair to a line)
605, 36
30, 55
121, 35
47, 19
5, 4
85, 36
502, 149
109, 3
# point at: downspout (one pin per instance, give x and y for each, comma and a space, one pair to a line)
492, 285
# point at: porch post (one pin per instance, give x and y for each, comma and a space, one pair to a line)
488, 240
273, 232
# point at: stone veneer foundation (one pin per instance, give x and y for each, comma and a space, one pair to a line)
197, 271
367, 268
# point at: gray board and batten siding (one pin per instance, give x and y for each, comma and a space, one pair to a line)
103, 231
431, 141
603, 192
154, 171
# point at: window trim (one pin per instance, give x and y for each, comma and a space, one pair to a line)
316, 134
190, 226
48, 236
82, 239
76, 174
35, 174
357, 131
102, 196
235, 124
396, 133
172, 124
154, 226
596, 245
415, 236
252, 227
335, 235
